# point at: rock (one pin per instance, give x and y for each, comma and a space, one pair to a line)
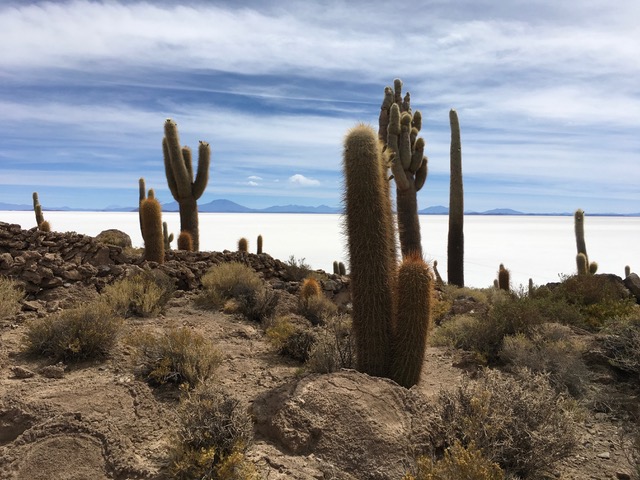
368, 427
53, 371
623, 476
632, 282
604, 455
115, 237
21, 372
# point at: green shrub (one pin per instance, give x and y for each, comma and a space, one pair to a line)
457, 332
291, 339
215, 431
141, 295
88, 331
335, 346
229, 280
178, 356
518, 423
550, 349
10, 295
458, 463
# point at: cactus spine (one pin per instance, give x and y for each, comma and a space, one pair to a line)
259, 243
179, 171
310, 288
243, 245
504, 278
414, 294
390, 329
184, 242
369, 234
455, 245
398, 129
40, 221
151, 214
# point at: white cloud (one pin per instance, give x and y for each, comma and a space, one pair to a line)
254, 178
252, 183
302, 180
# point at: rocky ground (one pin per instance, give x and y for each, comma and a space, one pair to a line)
96, 420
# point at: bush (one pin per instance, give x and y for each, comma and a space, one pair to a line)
457, 332
458, 463
620, 342
178, 356
316, 308
291, 339
141, 295
297, 269
229, 280
550, 349
88, 331
215, 431
518, 423
335, 346
10, 295
258, 305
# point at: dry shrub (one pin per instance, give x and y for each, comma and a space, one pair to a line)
144, 294
215, 431
84, 332
229, 280
179, 356
620, 342
451, 292
457, 332
335, 346
10, 295
458, 463
291, 339
518, 423
549, 348
259, 305
316, 308
297, 269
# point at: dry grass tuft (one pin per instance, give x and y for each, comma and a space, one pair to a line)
142, 295
10, 295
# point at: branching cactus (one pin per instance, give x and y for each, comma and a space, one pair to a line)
167, 237
455, 244
179, 171
151, 214
398, 129
591, 267
391, 307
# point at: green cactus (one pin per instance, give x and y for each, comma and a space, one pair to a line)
504, 278
579, 230
439, 280
151, 213
37, 208
336, 268
593, 268
627, 271
259, 243
168, 238
243, 245
179, 171
414, 294
368, 226
398, 129
455, 244
581, 264
185, 242
390, 329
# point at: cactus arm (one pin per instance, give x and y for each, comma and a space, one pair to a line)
176, 161
167, 170
417, 157
383, 119
405, 141
202, 175
188, 162
421, 174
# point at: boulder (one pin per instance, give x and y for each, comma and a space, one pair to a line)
632, 282
115, 237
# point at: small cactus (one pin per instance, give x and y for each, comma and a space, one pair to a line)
37, 208
151, 213
504, 278
168, 238
581, 264
342, 269
259, 244
530, 290
185, 242
310, 288
439, 280
336, 268
44, 226
243, 245
627, 271
593, 268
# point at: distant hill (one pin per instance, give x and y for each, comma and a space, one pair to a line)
436, 210
497, 211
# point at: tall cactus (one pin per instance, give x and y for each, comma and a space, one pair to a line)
259, 245
591, 267
369, 227
41, 224
151, 214
455, 244
179, 171
398, 129
390, 329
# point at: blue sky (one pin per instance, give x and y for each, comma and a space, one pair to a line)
547, 94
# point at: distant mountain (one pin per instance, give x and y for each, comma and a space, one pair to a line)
214, 206
436, 210
497, 211
299, 209
14, 207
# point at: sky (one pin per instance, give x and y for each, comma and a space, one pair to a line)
547, 95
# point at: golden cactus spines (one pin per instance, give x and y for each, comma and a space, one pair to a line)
243, 245
310, 288
504, 278
151, 213
185, 242
413, 319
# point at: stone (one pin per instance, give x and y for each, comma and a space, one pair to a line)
53, 371
21, 372
115, 237
604, 455
632, 282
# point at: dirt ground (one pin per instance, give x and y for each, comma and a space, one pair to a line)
95, 420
